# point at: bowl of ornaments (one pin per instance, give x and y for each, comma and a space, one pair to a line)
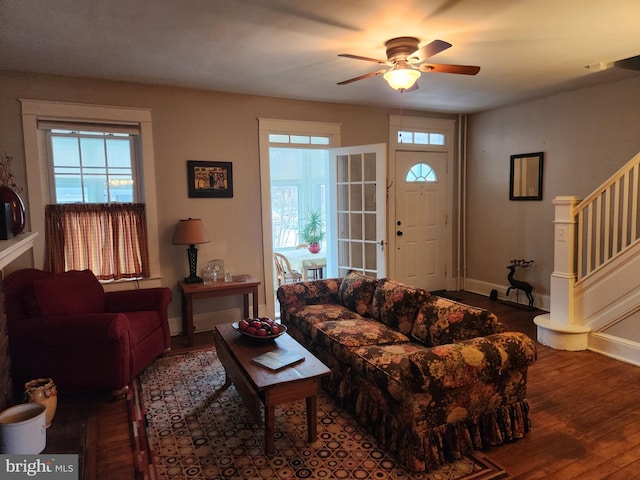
262, 328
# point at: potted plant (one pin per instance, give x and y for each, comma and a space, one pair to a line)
313, 231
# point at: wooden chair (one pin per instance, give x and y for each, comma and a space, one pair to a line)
283, 270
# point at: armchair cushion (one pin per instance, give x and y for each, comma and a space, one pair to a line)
73, 292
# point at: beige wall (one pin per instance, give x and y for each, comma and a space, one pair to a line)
586, 135
194, 125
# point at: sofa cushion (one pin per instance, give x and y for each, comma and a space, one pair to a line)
340, 336
441, 321
295, 295
72, 292
381, 364
357, 332
396, 304
356, 292
306, 317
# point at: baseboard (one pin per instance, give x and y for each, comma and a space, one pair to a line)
480, 287
614, 347
204, 322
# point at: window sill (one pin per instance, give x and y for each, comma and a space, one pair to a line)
131, 284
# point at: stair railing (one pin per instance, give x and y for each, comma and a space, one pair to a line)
607, 220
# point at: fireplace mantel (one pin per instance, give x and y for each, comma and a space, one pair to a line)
9, 251
14, 247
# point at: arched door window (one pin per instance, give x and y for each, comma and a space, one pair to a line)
421, 172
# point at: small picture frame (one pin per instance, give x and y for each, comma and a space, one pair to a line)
209, 179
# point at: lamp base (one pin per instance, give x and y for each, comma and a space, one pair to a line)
194, 279
192, 255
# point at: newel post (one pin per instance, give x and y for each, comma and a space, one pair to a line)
559, 328
564, 274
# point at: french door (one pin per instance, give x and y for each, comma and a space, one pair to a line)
357, 222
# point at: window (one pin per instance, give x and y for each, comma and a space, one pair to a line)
298, 139
421, 172
420, 138
92, 221
39, 116
89, 166
299, 178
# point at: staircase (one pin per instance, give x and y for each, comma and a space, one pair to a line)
595, 286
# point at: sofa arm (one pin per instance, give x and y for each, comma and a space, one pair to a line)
70, 330
455, 382
441, 321
292, 296
456, 364
153, 299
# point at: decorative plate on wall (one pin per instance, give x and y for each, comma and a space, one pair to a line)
8, 195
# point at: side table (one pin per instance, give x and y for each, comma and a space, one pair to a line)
241, 285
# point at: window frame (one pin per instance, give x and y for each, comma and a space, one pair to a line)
38, 182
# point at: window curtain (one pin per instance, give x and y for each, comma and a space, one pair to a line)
108, 239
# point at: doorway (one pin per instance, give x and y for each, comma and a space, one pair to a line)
294, 182
420, 216
421, 207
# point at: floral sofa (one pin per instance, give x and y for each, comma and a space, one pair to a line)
431, 378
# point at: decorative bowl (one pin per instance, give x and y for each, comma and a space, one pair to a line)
258, 337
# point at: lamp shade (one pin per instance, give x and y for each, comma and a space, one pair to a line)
190, 232
401, 77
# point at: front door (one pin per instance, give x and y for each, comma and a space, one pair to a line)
420, 219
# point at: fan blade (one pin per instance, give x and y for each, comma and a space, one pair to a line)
631, 63
362, 77
440, 68
429, 50
358, 57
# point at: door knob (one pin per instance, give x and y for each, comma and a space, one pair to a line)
399, 233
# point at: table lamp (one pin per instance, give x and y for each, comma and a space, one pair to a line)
191, 232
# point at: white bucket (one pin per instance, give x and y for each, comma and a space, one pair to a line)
22, 429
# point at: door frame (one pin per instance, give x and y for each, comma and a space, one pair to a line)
267, 126
438, 125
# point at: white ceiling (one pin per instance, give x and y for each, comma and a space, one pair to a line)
289, 48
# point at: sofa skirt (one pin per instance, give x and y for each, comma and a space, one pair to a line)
388, 421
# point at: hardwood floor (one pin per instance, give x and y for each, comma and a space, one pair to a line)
585, 410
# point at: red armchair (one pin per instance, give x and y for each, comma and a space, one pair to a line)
66, 327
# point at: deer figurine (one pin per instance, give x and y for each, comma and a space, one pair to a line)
519, 285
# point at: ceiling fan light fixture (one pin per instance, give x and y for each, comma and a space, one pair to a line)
401, 78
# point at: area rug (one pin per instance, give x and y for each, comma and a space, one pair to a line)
197, 429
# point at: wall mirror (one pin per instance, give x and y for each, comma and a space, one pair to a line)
526, 176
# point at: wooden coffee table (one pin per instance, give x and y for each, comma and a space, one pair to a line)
257, 384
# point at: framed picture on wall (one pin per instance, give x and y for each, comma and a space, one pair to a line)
209, 179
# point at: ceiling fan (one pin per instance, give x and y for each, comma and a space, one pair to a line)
631, 63
406, 60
